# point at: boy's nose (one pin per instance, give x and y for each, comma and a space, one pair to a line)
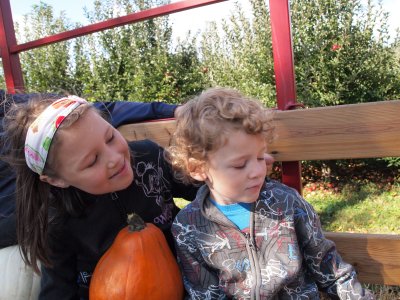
258, 170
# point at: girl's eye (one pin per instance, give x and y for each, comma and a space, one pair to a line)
260, 158
111, 138
93, 162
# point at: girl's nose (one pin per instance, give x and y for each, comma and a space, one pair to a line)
111, 164
112, 157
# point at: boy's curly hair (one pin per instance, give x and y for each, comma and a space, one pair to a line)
204, 122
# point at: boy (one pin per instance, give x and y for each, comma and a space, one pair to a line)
245, 237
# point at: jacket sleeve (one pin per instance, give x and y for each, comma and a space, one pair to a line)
200, 281
124, 112
60, 281
333, 275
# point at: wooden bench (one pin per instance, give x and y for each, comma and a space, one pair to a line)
348, 131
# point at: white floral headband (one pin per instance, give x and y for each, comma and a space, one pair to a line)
42, 130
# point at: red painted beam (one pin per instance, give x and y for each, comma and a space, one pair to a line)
284, 76
11, 64
108, 24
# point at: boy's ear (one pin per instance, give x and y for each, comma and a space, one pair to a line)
54, 181
197, 169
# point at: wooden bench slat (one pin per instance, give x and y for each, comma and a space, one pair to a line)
339, 132
159, 132
376, 257
347, 131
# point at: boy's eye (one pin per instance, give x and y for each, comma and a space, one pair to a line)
239, 166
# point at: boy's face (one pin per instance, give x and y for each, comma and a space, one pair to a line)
237, 170
93, 156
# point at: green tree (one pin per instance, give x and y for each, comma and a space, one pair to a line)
135, 62
131, 62
239, 53
343, 53
45, 69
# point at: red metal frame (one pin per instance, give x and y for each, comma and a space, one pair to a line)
11, 63
281, 41
284, 76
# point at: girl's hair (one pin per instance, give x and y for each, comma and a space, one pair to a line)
33, 196
204, 123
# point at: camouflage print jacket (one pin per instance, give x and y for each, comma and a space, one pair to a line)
283, 255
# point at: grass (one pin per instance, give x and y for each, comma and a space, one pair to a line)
367, 208
364, 209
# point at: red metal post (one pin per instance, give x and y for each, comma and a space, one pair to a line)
284, 76
11, 64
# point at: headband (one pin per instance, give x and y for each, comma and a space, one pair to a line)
42, 130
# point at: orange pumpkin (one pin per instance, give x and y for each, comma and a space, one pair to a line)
138, 265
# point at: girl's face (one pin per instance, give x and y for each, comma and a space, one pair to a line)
93, 156
236, 171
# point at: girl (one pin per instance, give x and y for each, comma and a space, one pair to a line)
245, 237
77, 179
119, 113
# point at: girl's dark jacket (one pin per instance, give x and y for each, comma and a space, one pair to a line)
78, 242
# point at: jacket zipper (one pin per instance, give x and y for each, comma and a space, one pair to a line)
252, 251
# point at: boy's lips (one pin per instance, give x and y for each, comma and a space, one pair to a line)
256, 186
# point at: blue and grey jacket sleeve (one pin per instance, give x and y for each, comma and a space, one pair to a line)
200, 281
333, 275
123, 112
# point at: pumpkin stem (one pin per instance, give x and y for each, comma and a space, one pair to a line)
135, 222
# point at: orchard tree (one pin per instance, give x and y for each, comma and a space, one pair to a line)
239, 52
343, 53
135, 61
131, 62
45, 69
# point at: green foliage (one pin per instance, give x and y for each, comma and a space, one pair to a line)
45, 69
392, 161
239, 54
342, 53
131, 62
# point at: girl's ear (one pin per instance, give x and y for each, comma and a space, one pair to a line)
197, 169
54, 181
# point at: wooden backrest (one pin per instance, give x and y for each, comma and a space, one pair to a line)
339, 132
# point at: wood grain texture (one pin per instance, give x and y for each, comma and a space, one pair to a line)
338, 132
376, 257
157, 131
